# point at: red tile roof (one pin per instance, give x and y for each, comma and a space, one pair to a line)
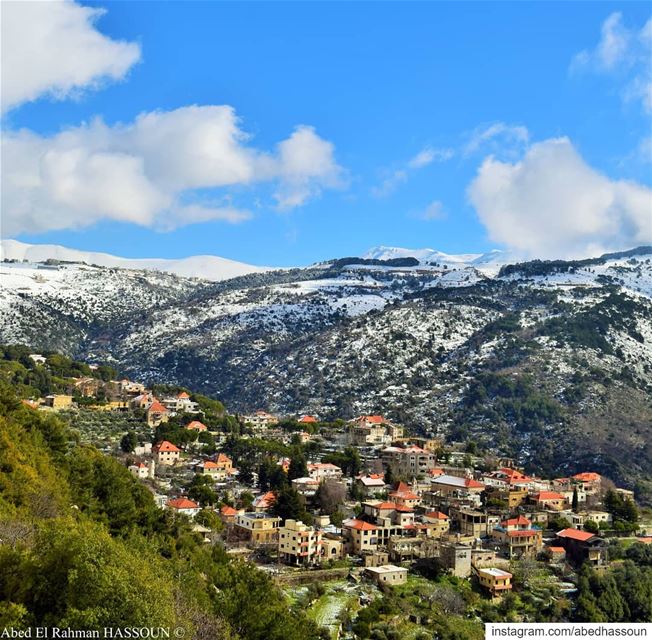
438, 515
265, 500
360, 525
165, 446
195, 424
556, 549
228, 511
307, 419
182, 503
156, 407
587, 476
516, 521
575, 534
547, 495
183, 396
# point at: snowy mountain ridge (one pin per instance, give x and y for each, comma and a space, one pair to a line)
209, 267
547, 361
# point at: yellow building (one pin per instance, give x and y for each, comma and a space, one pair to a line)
360, 535
258, 528
387, 574
299, 544
166, 453
58, 401
495, 581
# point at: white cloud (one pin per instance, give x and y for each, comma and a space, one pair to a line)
434, 211
145, 172
391, 182
52, 48
625, 51
305, 164
428, 155
552, 204
394, 179
500, 136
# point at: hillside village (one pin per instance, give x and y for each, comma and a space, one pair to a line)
364, 500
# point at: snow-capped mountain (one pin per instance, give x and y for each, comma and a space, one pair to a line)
489, 262
208, 267
548, 361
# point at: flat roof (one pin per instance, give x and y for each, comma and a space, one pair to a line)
386, 568
496, 573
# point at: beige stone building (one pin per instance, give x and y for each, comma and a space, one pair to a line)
388, 574
299, 544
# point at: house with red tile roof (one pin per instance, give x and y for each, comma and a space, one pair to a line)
260, 420
370, 484
556, 554
195, 425
518, 538
264, 501
184, 506
404, 496
324, 470
166, 453
307, 420
506, 478
591, 481
582, 546
549, 500
455, 487
228, 514
180, 403
372, 430
361, 536
157, 414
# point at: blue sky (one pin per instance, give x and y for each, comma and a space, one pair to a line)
462, 127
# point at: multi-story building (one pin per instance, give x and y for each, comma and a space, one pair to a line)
438, 523
323, 471
403, 495
260, 420
371, 484
495, 581
449, 486
548, 500
518, 538
410, 461
361, 536
157, 414
166, 453
220, 469
257, 528
299, 544
456, 558
181, 403
471, 522
599, 517
582, 546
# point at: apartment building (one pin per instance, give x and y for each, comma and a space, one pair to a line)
299, 544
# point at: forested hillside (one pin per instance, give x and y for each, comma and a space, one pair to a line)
82, 545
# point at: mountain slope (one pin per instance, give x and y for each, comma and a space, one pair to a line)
208, 267
550, 362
